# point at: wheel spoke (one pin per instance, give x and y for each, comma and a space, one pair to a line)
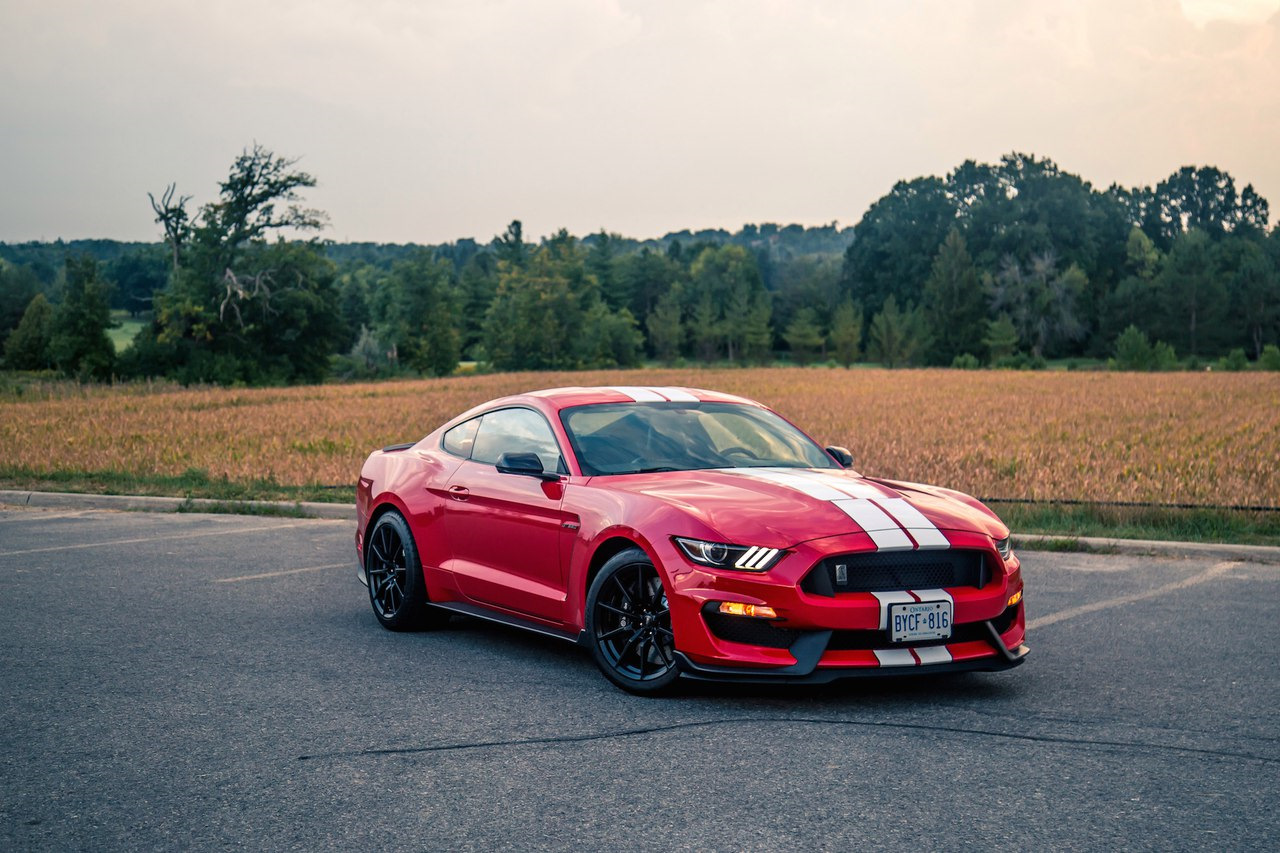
615, 632
644, 656
630, 614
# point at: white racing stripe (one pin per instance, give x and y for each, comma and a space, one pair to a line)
676, 395
933, 654
849, 487
887, 598
895, 657
882, 529
639, 395
816, 490
921, 529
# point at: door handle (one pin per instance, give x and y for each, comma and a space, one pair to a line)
459, 493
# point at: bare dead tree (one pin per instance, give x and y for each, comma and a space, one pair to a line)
172, 216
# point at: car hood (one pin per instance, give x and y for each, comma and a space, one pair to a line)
782, 507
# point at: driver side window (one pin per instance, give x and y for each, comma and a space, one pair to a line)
516, 431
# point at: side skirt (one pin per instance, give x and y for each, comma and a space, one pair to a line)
509, 620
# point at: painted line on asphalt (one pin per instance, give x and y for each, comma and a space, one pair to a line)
142, 539
1209, 574
282, 573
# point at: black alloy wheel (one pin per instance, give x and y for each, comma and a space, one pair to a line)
397, 590
629, 624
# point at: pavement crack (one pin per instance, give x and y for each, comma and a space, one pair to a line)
728, 721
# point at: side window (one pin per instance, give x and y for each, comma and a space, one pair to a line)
516, 431
458, 440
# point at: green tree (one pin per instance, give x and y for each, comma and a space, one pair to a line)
1041, 301
666, 326
757, 332
610, 338
727, 292
846, 332
417, 314
954, 304
18, 286
78, 342
803, 336
1253, 282
895, 241
1133, 350
1001, 339
896, 337
1191, 295
238, 308
27, 348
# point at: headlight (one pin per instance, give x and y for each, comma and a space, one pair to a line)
1005, 547
720, 555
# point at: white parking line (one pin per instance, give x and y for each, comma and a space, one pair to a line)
284, 572
1207, 575
142, 539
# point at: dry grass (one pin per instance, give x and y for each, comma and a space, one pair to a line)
1176, 437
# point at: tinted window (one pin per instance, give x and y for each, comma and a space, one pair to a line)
627, 438
458, 440
516, 431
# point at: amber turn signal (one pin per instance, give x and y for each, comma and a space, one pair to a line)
754, 611
1014, 599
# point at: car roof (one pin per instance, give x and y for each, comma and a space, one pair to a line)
563, 398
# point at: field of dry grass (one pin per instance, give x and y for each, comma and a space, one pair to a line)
1204, 438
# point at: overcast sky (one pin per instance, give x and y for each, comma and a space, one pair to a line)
431, 120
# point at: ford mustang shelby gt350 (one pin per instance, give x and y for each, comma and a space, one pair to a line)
675, 531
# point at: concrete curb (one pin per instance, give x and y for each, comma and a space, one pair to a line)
140, 503
347, 512
1148, 547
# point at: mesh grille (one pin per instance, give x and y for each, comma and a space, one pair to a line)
753, 632
895, 570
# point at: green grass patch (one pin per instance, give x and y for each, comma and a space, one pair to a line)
1240, 527
122, 335
194, 483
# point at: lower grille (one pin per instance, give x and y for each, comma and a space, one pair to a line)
883, 571
753, 632
962, 633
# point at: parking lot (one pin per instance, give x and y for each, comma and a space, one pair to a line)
214, 680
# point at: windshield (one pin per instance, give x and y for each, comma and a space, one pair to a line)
635, 438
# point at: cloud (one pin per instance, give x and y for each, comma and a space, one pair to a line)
429, 121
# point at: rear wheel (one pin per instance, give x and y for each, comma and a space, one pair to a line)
629, 624
397, 590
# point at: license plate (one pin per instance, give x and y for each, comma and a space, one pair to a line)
920, 620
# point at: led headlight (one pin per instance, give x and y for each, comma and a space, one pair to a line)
1005, 547
720, 555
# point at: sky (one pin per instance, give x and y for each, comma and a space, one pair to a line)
432, 120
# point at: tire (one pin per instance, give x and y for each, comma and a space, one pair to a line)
397, 589
628, 624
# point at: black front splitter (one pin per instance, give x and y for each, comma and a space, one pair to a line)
789, 675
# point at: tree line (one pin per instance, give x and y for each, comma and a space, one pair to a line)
1006, 264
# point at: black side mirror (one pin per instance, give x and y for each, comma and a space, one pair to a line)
524, 464
841, 455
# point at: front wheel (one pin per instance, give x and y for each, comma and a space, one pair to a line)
629, 624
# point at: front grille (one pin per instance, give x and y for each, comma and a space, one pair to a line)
883, 571
753, 632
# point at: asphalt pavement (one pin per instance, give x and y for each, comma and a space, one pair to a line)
219, 681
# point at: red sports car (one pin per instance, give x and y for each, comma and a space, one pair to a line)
675, 531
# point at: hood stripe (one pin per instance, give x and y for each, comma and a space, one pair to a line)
895, 657
892, 523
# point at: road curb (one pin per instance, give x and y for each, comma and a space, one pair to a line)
1147, 547
141, 503
347, 512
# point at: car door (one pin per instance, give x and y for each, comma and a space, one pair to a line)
504, 529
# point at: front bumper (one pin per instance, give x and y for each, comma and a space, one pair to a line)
823, 636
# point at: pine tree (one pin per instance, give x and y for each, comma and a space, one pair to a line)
27, 347
846, 332
953, 302
78, 342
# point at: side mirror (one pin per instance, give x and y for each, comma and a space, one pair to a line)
841, 455
524, 464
